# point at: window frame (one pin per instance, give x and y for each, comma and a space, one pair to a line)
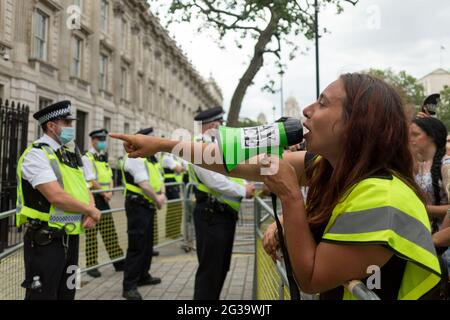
40, 42
123, 83
76, 70
103, 77
104, 16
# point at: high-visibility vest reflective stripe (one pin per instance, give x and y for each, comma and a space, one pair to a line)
73, 183
387, 211
233, 202
155, 179
103, 172
170, 174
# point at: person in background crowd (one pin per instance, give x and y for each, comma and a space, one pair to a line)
99, 176
427, 143
144, 193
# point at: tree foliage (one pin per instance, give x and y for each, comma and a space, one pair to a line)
267, 23
443, 112
406, 85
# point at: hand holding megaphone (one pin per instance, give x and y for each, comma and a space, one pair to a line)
240, 144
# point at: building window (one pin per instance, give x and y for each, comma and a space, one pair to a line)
126, 128
103, 72
123, 84
81, 126
107, 123
104, 10
124, 34
77, 46
140, 92
43, 103
40, 35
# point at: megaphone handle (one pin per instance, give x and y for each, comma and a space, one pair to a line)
293, 289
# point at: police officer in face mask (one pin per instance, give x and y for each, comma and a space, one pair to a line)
98, 174
55, 206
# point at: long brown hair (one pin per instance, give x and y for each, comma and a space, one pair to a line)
376, 140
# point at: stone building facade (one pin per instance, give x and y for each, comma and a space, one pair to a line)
435, 81
111, 58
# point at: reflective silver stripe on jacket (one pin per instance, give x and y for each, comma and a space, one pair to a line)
55, 166
65, 218
385, 218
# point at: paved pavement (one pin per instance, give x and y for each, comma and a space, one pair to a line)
177, 271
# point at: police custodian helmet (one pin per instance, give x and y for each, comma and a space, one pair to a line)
56, 111
210, 115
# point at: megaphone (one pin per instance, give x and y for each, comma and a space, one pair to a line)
240, 144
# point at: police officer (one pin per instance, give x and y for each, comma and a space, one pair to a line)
54, 204
173, 170
218, 201
98, 174
144, 194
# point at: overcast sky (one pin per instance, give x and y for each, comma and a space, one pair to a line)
397, 34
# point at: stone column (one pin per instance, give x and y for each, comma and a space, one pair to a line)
22, 30
95, 47
65, 40
118, 8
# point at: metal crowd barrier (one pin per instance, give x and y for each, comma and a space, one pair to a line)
270, 281
244, 242
108, 241
174, 223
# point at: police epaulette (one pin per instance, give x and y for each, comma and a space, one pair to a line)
40, 145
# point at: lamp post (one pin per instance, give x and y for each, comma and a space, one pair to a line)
316, 27
281, 93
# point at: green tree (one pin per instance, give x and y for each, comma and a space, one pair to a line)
443, 112
267, 23
406, 85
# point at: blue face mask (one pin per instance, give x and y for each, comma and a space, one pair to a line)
101, 145
67, 135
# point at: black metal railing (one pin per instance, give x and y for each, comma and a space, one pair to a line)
13, 141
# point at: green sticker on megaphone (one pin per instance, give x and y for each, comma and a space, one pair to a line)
240, 144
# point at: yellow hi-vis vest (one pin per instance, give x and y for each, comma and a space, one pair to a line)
170, 175
233, 202
155, 179
70, 179
103, 172
388, 212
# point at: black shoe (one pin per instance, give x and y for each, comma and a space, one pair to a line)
94, 273
119, 265
155, 253
131, 294
149, 281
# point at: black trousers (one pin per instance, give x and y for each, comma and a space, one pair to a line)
52, 265
108, 232
214, 239
140, 218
